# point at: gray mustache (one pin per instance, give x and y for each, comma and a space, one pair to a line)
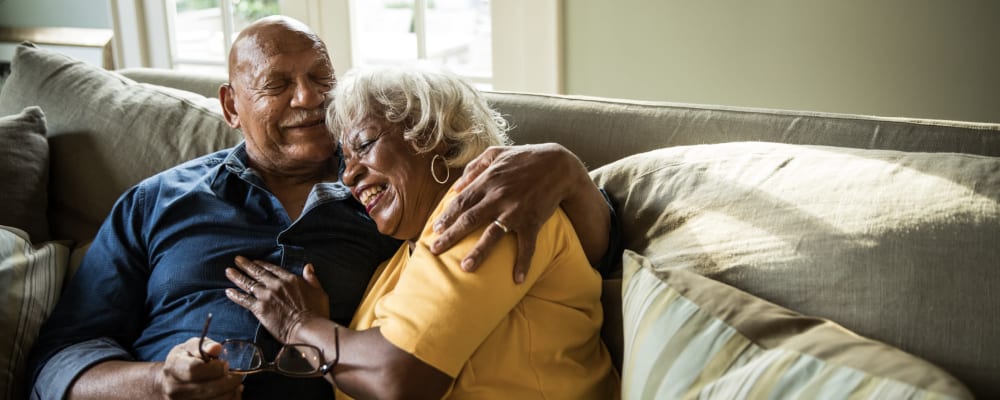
303, 117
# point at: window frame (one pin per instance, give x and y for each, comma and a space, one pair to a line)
527, 37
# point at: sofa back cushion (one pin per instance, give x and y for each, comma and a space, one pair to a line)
205, 83
601, 130
899, 247
106, 132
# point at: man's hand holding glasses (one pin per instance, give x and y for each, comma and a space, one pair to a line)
193, 370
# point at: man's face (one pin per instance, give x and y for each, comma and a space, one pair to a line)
279, 94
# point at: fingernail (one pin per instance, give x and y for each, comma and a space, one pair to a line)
467, 264
438, 227
519, 278
240, 259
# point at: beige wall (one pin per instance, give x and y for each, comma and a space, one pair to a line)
906, 58
94, 14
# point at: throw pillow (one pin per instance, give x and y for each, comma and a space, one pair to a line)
24, 166
106, 132
687, 336
899, 247
31, 277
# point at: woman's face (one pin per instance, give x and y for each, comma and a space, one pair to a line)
389, 178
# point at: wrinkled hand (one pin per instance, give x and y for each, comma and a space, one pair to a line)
520, 186
280, 299
185, 375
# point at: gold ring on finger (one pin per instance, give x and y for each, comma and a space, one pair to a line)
503, 227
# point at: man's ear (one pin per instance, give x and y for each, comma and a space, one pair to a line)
228, 100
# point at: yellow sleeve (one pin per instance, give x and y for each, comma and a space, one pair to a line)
441, 314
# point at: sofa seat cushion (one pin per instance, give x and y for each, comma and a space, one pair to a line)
24, 166
899, 247
106, 132
703, 339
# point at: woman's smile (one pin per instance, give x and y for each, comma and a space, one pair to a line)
390, 178
369, 196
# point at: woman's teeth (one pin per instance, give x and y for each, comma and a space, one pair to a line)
369, 194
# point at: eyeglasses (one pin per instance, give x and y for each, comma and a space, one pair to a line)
245, 357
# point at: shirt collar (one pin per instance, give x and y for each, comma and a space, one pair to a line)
236, 163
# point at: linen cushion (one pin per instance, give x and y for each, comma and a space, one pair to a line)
107, 132
31, 277
687, 336
24, 166
899, 247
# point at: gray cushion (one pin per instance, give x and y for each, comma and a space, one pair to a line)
899, 247
705, 339
24, 166
106, 132
31, 278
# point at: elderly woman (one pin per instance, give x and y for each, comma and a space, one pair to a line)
425, 327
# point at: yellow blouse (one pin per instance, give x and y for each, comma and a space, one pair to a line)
539, 339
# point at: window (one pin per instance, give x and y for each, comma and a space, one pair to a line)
453, 33
502, 44
202, 30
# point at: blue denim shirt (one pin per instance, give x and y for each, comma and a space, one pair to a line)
155, 269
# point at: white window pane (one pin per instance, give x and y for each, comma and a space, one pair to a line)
198, 30
385, 32
458, 36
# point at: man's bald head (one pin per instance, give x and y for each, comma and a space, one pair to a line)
279, 76
270, 36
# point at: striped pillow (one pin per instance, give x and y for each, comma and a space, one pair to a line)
687, 336
31, 278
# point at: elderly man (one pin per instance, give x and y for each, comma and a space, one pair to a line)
128, 324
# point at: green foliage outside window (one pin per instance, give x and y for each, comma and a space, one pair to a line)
407, 4
251, 10
187, 5
247, 10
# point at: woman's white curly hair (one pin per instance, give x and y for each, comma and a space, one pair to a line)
430, 104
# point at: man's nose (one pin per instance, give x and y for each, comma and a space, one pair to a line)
308, 94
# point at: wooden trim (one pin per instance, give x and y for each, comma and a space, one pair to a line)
129, 20
78, 37
73, 37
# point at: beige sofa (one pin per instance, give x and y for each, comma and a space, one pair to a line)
815, 230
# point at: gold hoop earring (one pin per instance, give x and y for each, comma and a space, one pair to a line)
434, 174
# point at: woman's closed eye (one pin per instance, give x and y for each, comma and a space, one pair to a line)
359, 148
362, 145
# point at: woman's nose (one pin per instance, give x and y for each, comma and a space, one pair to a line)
352, 171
